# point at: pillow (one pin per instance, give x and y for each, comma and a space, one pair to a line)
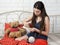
7, 25
21, 25
30, 25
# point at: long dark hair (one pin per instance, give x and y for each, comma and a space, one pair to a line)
39, 5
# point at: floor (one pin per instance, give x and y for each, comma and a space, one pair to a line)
54, 39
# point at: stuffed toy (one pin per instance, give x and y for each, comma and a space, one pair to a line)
15, 31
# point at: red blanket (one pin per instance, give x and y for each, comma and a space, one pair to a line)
10, 41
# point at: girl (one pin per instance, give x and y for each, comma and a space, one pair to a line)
40, 22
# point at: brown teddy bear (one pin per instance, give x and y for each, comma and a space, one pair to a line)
15, 31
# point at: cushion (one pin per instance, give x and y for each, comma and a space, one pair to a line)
7, 25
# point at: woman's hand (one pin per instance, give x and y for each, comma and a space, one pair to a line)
33, 29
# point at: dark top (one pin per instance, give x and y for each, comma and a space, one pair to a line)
37, 35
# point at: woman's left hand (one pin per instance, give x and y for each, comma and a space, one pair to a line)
33, 29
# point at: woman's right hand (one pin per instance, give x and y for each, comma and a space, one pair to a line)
26, 24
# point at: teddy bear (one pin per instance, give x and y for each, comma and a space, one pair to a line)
15, 31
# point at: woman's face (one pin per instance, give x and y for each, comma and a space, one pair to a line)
36, 11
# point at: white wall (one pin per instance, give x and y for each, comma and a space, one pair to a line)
10, 5
52, 6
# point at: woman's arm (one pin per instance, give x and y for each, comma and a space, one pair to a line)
47, 27
27, 21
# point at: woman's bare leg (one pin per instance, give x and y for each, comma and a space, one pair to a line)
25, 37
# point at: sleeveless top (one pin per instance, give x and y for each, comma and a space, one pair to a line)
37, 35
